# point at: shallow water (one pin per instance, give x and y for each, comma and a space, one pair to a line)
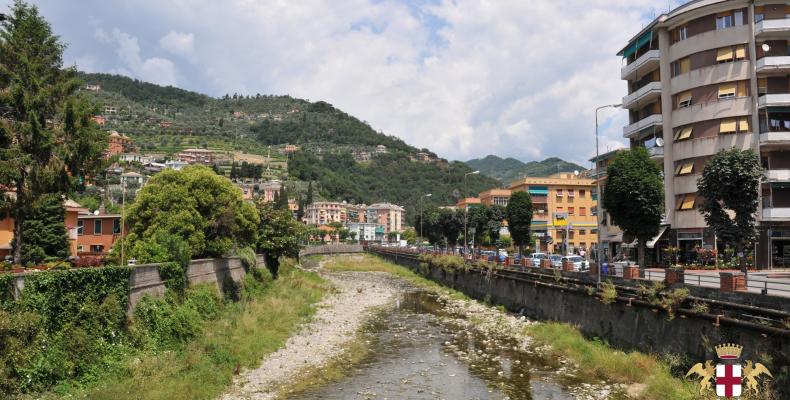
419, 353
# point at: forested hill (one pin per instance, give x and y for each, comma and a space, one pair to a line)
510, 169
338, 151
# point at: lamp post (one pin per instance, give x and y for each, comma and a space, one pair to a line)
422, 216
599, 253
466, 211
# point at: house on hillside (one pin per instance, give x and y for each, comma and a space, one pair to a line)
97, 233
118, 143
196, 156
73, 209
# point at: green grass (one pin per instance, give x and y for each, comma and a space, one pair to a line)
371, 263
204, 368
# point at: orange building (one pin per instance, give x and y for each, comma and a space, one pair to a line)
96, 234
72, 211
467, 202
118, 144
498, 197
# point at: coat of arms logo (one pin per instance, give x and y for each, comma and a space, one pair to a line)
729, 376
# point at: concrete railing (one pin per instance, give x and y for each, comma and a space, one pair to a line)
332, 249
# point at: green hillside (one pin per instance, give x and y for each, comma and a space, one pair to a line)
168, 119
509, 169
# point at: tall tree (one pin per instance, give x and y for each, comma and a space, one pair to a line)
309, 199
495, 214
519, 219
478, 219
634, 196
282, 199
729, 187
45, 231
48, 142
450, 224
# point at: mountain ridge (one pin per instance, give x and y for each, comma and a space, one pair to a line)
509, 169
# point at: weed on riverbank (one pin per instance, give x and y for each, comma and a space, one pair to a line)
240, 336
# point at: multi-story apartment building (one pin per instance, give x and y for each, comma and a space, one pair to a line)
367, 231
389, 215
196, 156
563, 205
610, 236
712, 75
497, 197
325, 212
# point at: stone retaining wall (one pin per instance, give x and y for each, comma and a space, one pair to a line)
332, 249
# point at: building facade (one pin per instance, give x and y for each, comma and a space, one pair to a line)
97, 233
325, 212
196, 156
498, 197
564, 208
610, 236
707, 76
389, 215
118, 144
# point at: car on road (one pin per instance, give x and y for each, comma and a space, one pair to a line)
536, 257
579, 263
556, 260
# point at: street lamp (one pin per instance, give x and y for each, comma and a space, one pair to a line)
599, 253
421, 216
466, 211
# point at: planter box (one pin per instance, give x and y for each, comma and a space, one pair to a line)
545, 264
732, 282
631, 272
673, 276
593, 269
567, 266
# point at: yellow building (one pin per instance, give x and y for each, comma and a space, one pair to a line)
563, 203
497, 197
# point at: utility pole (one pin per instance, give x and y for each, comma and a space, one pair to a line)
466, 211
598, 214
123, 218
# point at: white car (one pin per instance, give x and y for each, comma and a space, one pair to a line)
579, 263
536, 257
556, 261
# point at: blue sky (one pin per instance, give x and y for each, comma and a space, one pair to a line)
463, 78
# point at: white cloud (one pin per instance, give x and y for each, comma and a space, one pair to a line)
463, 78
157, 70
180, 44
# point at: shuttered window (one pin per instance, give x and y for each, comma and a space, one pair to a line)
685, 65
740, 52
724, 54
684, 99
727, 126
762, 86
727, 90
686, 168
743, 124
687, 202
683, 133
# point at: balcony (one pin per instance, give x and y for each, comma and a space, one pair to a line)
776, 214
656, 153
724, 108
643, 95
772, 27
779, 64
641, 66
631, 131
778, 175
778, 99
710, 145
775, 139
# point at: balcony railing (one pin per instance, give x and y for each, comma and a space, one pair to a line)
777, 99
647, 122
645, 94
656, 152
647, 61
767, 27
776, 214
778, 175
773, 64
781, 138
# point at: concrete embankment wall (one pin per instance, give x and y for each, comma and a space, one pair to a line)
627, 326
332, 249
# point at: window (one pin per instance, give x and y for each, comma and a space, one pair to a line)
762, 86
571, 193
559, 192
727, 126
582, 232
582, 211
683, 133
683, 32
743, 124
740, 52
738, 16
684, 99
116, 226
727, 90
724, 21
681, 66
684, 168
79, 248
724, 55
687, 202
80, 227
97, 248
559, 209
594, 210
758, 14
571, 210
97, 227
582, 192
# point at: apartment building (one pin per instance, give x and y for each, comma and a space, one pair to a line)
610, 236
325, 212
389, 215
367, 231
712, 75
564, 207
196, 156
497, 197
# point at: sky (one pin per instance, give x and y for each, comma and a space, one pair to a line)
514, 78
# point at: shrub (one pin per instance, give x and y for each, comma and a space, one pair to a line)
205, 300
608, 293
165, 322
247, 257
174, 276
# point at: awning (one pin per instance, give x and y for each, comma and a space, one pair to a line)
644, 39
652, 242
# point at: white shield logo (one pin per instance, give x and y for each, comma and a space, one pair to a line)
728, 380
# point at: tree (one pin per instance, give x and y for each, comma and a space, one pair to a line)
282, 200
495, 215
48, 142
197, 205
478, 219
309, 199
45, 231
234, 172
634, 196
279, 234
519, 219
215, 168
450, 223
729, 187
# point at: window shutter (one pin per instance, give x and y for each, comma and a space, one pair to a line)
677, 169
685, 65
684, 133
727, 90
687, 168
724, 54
743, 124
684, 99
727, 126
740, 52
688, 202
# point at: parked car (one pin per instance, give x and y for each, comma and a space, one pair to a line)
536, 257
579, 263
556, 260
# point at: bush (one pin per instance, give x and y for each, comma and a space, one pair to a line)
174, 276
165, 322
247, 257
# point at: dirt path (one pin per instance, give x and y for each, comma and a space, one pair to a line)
338, 318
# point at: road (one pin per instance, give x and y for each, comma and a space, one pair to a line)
777, 282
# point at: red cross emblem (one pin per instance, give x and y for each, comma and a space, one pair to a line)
728, 380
